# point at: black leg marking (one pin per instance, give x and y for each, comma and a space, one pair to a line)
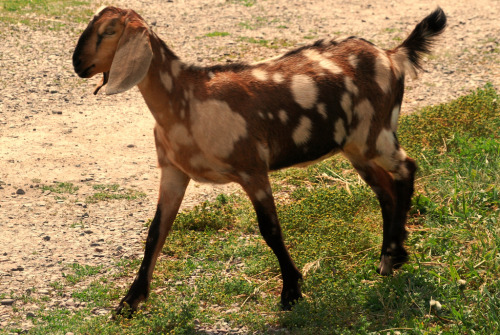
139, 291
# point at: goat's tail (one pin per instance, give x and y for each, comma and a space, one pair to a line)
420, 41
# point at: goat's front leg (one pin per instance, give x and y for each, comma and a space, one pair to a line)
259, 192
172, 188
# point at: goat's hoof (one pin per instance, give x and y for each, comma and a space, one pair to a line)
289, 299
123, 310
389, 262
385, 266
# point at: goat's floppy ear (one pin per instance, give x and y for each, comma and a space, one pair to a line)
132, 59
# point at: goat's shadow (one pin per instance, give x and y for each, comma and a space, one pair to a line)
368, 307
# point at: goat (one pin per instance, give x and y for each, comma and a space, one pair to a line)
237, 122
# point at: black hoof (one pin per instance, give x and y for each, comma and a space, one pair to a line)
289, 299
123, 310
392, 261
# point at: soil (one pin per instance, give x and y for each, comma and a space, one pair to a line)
52, 129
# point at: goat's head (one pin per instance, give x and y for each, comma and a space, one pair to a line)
115, 43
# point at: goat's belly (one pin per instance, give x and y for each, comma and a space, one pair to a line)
298, 157
201, 168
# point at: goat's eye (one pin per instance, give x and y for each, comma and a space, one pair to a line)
109, 31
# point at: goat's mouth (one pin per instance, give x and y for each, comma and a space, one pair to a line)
85, 73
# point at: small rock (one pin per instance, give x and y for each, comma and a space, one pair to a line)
46, 238
30, 315
88, 231
7, 302
20, 191
131, 146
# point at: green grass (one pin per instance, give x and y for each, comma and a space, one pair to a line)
271, 44
246, 3
49, 14
217, 34
216, 267
60, 187
113, 192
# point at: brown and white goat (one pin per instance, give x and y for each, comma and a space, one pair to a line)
235, 123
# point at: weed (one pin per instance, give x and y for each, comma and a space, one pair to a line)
60, 187
80, 272
274, 44
246, 3
217, 34
113, 192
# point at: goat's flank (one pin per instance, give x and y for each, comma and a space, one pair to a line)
235, 123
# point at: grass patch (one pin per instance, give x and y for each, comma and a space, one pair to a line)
271, 44
113, 192
217, 270
246, 3
60, 187
217, 34
81, 272
45, 14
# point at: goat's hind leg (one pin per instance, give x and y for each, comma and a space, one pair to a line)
382, 183
399, 185
259, 192
172, 188
404, 179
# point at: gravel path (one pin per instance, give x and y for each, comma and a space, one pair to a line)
52, 129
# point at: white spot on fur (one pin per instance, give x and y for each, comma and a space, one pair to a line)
322, 110
278, 78
215, 127
261, 115
263, 151
167, 81
304, 90
211, 74
270, 116
383, 71
261, 195
179, 135
353, 60
390, 158
260, 74
283, 116
346, 103
245, 176
395, 118
176, 67
198, 161
402, 65
302, 133
385, 147
322, 61
351, 87
364, 112
339, 135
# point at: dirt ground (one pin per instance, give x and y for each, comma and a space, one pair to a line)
52, 129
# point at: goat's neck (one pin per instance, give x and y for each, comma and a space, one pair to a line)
162, 88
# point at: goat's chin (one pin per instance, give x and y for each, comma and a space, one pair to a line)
104, 81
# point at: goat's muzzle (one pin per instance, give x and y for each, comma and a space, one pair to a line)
85, 72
